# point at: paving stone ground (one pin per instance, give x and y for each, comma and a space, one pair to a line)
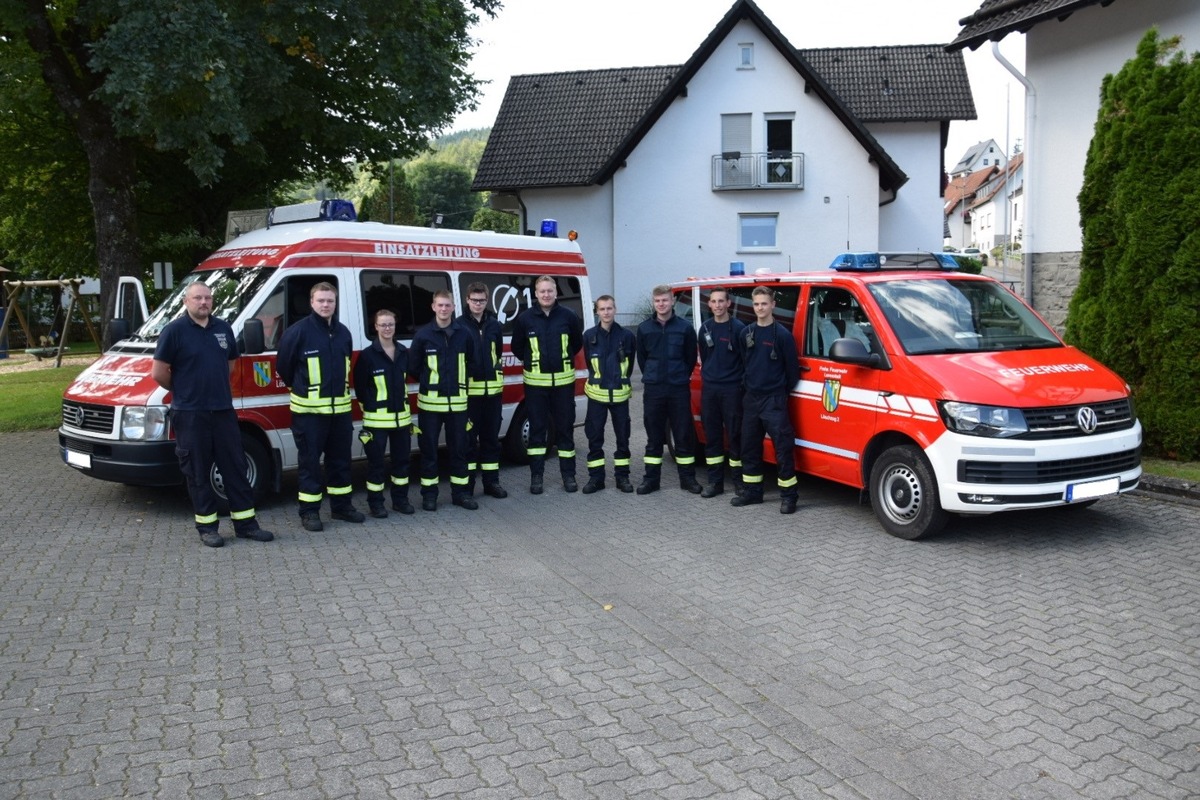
602, 646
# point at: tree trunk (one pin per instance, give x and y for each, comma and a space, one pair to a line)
112, 168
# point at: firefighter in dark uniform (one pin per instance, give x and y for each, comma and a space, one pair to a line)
769, 353
379, 384
546, 338
485, 391
721, 373
666, 355
314, 361
194, 359
609, 350
438, 363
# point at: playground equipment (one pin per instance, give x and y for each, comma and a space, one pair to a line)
49, 346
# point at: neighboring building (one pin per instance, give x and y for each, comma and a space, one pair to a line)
981, 156
1070, 46
958, 200
752, 151
985, 208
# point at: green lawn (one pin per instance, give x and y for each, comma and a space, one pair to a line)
33, 399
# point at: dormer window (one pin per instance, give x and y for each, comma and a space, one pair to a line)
746, 55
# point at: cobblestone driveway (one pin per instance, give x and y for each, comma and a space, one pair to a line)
605, 646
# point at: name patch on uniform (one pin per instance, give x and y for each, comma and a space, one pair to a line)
831, 394
262, 373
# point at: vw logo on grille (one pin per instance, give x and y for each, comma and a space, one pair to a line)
1086, 419
72, 416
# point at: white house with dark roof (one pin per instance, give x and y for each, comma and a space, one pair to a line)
752, 151
1070, 45
979, 156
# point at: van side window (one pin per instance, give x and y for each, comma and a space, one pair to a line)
288, 304
408, 294
835, 314
509, 295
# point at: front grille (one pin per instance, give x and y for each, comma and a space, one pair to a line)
1058, 422
1034, 472
88, 417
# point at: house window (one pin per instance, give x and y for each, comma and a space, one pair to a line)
780, 164
746, 55
757, 232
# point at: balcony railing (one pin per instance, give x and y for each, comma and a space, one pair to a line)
770, 170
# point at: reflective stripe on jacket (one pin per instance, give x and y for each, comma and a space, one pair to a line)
438, 364
547, 343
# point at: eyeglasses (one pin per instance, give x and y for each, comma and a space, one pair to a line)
385, 324
476, 299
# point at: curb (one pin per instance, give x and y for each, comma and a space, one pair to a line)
1169, 488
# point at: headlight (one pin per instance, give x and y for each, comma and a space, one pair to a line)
977, 420
144, 423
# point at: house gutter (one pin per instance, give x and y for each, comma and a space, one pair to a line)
1030, 117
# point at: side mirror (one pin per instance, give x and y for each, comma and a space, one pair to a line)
852, 351
118, 329
253, 341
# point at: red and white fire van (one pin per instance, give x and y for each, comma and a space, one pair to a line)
114, 416
938, 392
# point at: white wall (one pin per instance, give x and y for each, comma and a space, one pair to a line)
588, 211
1066, 62
670, 224
914, 220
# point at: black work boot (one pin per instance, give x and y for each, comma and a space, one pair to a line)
713, 489
593, 485
749, 497
624, 484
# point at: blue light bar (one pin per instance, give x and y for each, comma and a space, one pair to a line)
314, 211
550, 228
855, 261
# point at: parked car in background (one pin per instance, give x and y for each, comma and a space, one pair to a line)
975, 252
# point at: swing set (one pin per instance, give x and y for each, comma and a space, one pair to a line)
48, 346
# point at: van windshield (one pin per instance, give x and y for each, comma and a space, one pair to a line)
231, 289
959, 316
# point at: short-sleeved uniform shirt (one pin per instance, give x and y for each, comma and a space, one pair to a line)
199, 359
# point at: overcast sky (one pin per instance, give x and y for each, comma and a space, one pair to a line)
530, 36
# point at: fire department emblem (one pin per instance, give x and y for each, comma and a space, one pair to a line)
830, 394
262, 373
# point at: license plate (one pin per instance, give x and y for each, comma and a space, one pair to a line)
81, 460
1086, 491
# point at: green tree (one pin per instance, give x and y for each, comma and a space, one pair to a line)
1137, 306
390, 200
289, 88
489, 219
441, 188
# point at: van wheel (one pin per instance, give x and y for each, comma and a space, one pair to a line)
258, 473
516, 441
904, 494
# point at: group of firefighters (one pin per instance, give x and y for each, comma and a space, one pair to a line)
747, 372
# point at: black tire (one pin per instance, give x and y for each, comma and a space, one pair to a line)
516, 441
904, 494
258, 472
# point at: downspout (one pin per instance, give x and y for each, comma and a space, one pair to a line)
1030, 118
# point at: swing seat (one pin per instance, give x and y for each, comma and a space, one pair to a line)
44, 352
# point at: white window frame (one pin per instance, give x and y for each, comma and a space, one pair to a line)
743, 247
745, 55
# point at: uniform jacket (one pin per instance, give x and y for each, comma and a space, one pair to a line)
666, 352
314, 361
484, 366
379, 384
547, 344
769, 353
721, 353
609, 357
437, 361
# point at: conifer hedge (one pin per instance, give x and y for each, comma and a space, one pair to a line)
1137, 306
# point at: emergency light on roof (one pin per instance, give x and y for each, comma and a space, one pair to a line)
872, 261
317, 210
550, 228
